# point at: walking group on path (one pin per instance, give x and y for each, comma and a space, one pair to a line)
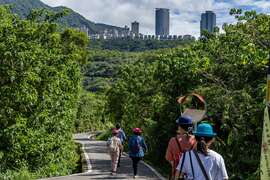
136, 146
188, 152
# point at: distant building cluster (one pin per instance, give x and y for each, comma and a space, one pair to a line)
162, 28
142, 37
85, 30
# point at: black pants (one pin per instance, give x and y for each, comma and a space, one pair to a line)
120, 152
135, 161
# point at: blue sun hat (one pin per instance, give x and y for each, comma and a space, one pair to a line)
184, 120
204, 130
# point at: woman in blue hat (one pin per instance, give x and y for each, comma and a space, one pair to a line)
202, 162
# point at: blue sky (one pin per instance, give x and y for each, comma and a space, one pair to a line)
184, 14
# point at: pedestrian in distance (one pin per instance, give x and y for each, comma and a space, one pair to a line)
122, 137
137, 148
202, 162
114, 146
182, 142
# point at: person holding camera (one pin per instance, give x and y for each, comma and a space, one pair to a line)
202, 162
182, 142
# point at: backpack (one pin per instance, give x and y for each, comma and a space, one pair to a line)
113, 144
135, 146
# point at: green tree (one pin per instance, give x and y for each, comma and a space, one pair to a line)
39, 86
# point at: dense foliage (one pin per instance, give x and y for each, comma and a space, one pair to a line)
100, 71
91, 115
137, 45
228, 69
40, 82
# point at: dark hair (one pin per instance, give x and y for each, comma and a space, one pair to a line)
137, 133
117, 126
186, 127
201, 144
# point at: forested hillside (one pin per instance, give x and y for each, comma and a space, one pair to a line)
137, 45
73, 19
101, 69
229, 70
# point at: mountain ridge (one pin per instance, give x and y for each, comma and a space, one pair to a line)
74, 19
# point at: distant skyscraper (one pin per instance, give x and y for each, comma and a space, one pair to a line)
162, 21
135, 27
208, 21
126, 31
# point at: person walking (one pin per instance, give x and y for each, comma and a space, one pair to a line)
202, 162
182, 142
122, 137
137, 148
115, 146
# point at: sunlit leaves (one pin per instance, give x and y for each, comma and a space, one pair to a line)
39, 89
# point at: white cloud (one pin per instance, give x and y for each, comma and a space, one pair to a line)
262, 4
256, 4
243, 2
123, 12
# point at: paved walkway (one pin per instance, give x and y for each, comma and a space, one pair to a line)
100, 163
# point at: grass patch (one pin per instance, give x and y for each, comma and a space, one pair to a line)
78, 168
22, 174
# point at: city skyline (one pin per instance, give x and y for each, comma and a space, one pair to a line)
184, 16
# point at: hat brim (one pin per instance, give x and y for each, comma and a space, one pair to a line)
185, 123
205, 134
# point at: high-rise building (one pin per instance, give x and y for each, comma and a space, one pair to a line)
126, 31
162, 22
135, 27
208, 21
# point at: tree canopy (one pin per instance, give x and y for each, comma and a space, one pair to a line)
40, 81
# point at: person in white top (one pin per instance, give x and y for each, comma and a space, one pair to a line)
114, 146
202, 163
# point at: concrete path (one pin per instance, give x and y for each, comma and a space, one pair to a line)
100, 166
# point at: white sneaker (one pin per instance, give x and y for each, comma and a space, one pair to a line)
134, 177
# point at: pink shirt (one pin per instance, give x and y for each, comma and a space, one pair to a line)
174, 153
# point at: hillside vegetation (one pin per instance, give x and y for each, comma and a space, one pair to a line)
137, 45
